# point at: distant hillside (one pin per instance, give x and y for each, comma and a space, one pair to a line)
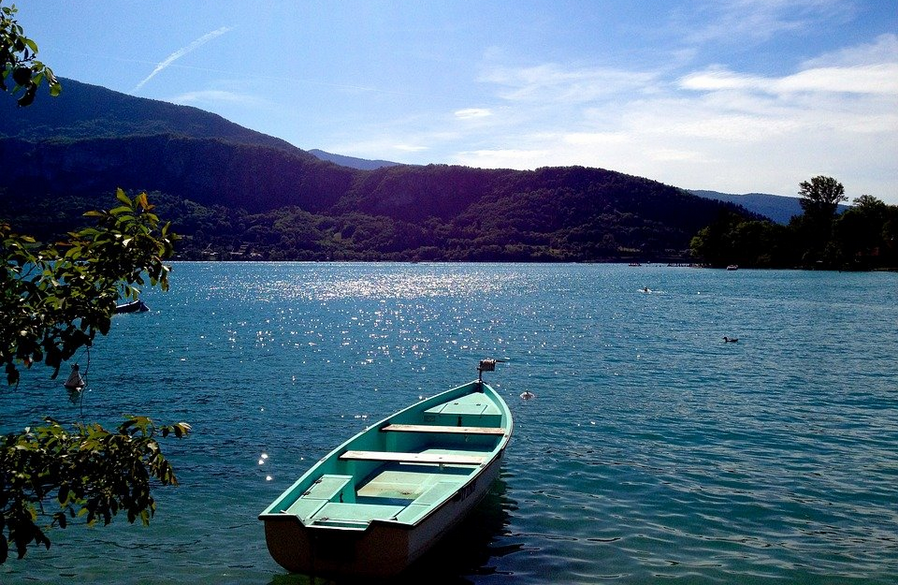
352, 162
779, 208
85, 111
235, 193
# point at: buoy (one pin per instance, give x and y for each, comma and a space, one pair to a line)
75, 381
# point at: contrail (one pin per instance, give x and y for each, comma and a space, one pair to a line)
181, 52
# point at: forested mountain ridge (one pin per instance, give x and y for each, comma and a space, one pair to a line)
237, 193
207, 171
89, 111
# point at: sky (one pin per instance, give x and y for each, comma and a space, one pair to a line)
736, 96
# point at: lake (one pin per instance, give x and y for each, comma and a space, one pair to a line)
651, 452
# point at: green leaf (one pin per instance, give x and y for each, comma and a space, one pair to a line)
63, 495
21, 75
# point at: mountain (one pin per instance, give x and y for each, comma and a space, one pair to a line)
233, 192
779, 208
352, 162
85, 111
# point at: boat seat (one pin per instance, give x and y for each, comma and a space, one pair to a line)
304, 509
437, 492
424, 503
325, 489
336, 514
444, 429
443, 459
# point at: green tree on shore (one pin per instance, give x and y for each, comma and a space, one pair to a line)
820, 198
861, 238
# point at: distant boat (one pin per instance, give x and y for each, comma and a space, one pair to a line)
132, 307
733, 267
384, 497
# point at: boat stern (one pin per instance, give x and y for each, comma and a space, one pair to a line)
377, 549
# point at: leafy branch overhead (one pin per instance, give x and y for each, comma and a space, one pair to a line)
56, 299
18, 61
53, 301
86, 472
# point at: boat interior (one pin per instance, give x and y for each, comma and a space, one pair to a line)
402, 471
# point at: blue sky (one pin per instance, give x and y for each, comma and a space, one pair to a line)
735, 96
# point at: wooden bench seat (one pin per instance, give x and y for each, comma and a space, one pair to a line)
353, 515
325, 489
426, 502
447, 459
444, 429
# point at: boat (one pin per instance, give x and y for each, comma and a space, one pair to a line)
132, 307
376, 503
733, 267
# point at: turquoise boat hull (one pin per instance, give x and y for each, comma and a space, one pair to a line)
376, 503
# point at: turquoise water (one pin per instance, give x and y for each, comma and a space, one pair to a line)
652, 452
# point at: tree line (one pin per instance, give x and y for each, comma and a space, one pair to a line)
864, 237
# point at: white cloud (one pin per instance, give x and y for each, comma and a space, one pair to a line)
552, 83
870, 79
678, 155
866, 79
593, 139
715, 128
471, 113
505, 158
750, 21
211, 96
410, 147
884, 49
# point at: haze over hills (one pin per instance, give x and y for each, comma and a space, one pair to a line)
352, 162
232, 191
779, 208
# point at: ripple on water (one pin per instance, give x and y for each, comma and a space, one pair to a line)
651, 451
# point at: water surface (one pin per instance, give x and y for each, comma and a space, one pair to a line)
653, 451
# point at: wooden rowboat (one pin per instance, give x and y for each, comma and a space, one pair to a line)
384, 497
